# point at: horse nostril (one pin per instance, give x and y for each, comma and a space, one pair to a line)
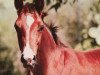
22, 59
34, 57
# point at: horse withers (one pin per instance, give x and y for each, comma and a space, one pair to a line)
43, 53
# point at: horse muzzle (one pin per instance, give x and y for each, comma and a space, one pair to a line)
28, 62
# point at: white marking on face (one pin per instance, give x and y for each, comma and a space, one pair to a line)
28, 53
29, 20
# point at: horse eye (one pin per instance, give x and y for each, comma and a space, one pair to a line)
17, 28
41, 28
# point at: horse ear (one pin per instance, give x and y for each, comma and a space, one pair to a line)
18, 4
39, 5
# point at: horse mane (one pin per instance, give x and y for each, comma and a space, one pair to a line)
53, 29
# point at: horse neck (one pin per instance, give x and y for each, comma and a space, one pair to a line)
47, 41
48, 44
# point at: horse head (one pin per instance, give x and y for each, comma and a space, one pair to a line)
29, 27
53, 57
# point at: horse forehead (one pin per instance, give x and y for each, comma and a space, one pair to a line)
29, 20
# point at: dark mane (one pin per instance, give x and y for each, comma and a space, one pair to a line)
36, 5
28, 7
54, 30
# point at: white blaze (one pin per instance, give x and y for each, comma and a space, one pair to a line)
29, 20
28, 52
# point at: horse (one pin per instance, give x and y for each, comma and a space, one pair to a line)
43, 53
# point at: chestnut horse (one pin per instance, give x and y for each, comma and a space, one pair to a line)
43, 53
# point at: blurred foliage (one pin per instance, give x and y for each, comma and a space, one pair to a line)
76, 18
6, 62
88, 42
6, 69
8, 40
